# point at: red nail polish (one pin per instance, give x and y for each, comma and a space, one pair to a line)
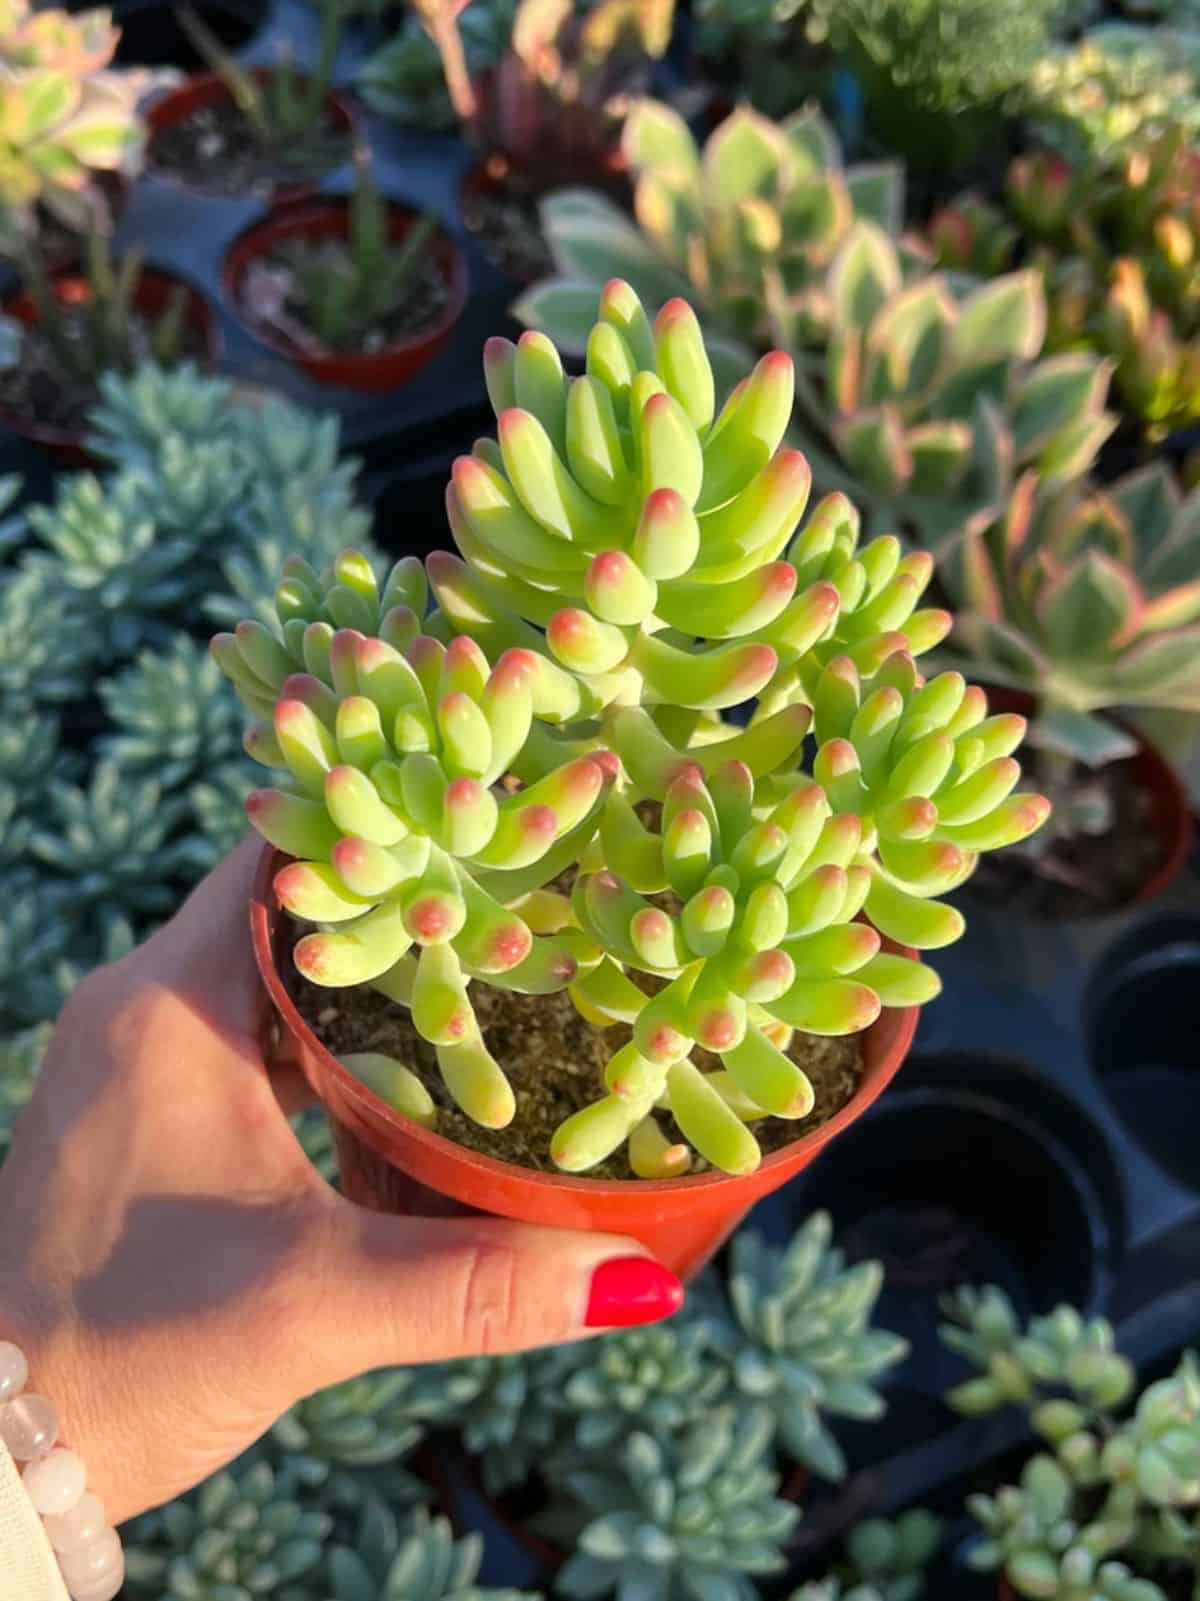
630, 1290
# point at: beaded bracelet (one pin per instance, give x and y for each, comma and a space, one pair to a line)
88, 1549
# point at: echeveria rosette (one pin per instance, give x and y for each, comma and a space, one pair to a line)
920, 405
929, 779
1087, 598
766, 940
401, 836
419, 1560
690, 1514
630, 533
760, 197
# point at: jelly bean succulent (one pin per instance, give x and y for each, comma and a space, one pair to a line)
687, 1515
394, 744
760, 198
922, 401
1090, 598
1108, 1511
795, 1332
630, 567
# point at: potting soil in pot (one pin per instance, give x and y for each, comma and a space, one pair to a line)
1080, 874
44, 389
554, 1060
214, 148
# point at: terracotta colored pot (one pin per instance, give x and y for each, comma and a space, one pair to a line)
325, 219
392, 1165
152, 296
210, 89
1170, 815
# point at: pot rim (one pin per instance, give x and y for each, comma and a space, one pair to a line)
901, 1021
69, 439
290, 217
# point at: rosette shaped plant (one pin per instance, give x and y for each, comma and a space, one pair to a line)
1107, 1511
761, 197
395, 745
920, 404
632, 535
420, 1561
1088, 598
690, 1515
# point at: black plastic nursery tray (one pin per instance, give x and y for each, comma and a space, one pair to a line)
1044, 1136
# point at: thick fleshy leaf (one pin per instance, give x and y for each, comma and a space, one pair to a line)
563, 309
864, 276
908, 343
743, 157
656, 138
1090, 605
1003, 320
1057, 393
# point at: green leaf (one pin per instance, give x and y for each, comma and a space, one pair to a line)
1074, 449
1162, 671
1084, 610
563, 308
1005, 319
1057, 393
1150, 503
877, 191
657, 139
873, 446
1094, 741
908, 343
864, 276
745, 156
592, 246
813, 142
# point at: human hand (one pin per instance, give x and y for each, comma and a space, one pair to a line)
177, 1272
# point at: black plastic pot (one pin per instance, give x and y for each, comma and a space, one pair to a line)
1142, 1039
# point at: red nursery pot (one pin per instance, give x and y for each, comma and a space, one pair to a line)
329, 218
393, 1165
1170, 808
209, 89
151, 298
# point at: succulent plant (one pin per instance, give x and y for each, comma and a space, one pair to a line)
688, 1515
1089, 598
1121, 87
338, 288
174, 713
796, 1336
1105, 1511
405, 80
394, 742
761, 198
551, 105
656, 1380
419, 1561
921, 404
46, 647
885, 1561
1117, 248
501, 1405
20, 1058
65, 116
349, 1443
33, 938
237, 1537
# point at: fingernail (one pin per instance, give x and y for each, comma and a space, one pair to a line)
630, 1290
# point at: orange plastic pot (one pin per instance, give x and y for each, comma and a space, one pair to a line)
329, 218
151, 298
392, 1165
210, 89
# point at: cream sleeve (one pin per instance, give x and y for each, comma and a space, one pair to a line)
28, 1569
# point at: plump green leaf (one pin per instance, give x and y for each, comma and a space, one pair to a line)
1005, 319
864, 276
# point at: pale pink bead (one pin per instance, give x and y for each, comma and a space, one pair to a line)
97, 1571
56, 1483
78, 1527
29, 1426
14, 1370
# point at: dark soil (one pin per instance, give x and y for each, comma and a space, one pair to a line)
44, 389
216, 150
555, 1062
1078, 875
504, 219
420, 309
